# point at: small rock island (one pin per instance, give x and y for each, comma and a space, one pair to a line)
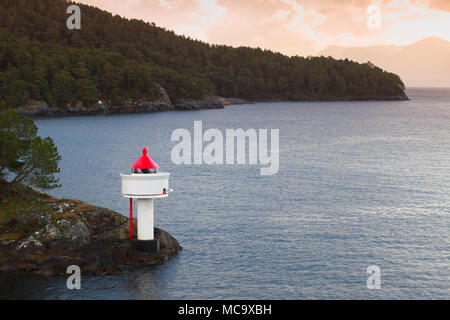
42, 235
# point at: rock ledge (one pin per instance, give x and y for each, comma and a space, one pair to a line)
51, 234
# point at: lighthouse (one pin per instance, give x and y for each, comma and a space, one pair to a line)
145, 183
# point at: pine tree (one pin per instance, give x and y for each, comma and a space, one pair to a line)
25, 157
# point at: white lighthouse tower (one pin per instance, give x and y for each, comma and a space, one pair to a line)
145, 183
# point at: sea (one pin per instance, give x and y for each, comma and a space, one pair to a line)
361, 186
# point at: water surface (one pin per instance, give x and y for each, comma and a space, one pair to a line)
360, 183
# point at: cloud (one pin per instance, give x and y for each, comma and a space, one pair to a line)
203, 19
443, 5
191, 31
277, 16
165, 3
291, 26
132, 3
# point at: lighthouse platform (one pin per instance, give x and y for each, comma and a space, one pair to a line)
155, 185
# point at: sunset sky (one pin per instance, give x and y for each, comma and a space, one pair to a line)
301, 27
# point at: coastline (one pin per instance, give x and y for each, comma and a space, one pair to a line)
43, 235
164, 103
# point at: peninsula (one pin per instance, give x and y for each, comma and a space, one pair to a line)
117, 65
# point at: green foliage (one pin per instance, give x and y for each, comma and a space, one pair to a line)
8, 211
25, 157
61, 74
62, 85
117, 59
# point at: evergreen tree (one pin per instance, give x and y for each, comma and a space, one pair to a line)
25, 157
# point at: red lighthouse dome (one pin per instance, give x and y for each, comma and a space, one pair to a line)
145, 162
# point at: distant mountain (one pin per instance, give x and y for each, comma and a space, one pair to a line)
425, 63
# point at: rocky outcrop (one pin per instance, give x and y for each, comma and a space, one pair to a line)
208, 102
57, 233
36, 108
233, 101
164, 103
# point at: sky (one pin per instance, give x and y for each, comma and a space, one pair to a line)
292, 27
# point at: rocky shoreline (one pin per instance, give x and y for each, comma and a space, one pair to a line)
164, 103
35, 108
46, 235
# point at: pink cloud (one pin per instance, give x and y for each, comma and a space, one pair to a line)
290, 26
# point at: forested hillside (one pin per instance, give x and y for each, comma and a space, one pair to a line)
119, 59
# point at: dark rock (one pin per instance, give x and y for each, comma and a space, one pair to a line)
164, 103
208, 102
76, 107
35, 107
72, 232
233, 101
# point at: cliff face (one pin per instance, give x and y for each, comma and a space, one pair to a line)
164, 103
47, 235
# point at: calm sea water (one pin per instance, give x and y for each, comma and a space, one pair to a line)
360, 184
